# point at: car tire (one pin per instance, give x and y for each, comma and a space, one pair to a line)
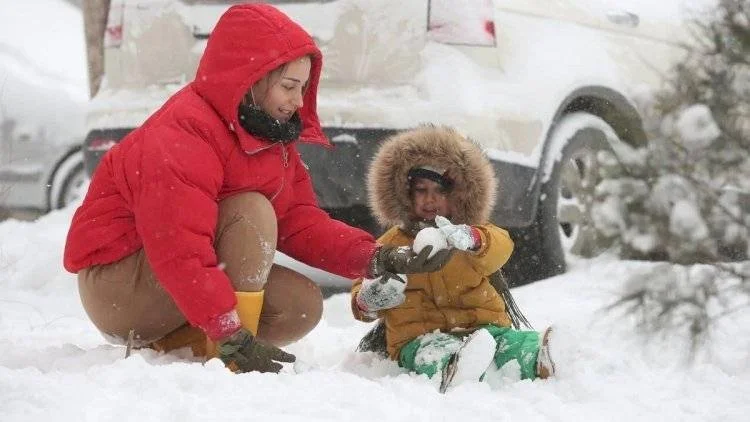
563, 223
69, 182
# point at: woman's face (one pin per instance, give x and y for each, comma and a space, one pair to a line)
280, 92
429, 199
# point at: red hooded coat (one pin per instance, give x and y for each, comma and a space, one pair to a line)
159, 188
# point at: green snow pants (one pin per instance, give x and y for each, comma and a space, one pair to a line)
429, 353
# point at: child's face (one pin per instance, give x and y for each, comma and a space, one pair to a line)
429, 199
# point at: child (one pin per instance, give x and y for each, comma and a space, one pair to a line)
434, 177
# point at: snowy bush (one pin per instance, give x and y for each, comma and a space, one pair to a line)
684, 301
685, 197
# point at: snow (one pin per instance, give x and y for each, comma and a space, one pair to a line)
55, 365
430, 236
474, 357
685, 221
564, 131
668, 190
47, 32
697, 128
44, 94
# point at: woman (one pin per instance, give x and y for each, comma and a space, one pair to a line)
175, 238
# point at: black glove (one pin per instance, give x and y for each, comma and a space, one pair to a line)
242, 352
403, 260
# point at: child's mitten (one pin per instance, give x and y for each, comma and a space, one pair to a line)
460, 236
384, 292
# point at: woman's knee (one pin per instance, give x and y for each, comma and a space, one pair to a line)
252, 204
246, 239
292, 307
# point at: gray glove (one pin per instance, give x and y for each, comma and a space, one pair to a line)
384, 292
242, 352
403, 260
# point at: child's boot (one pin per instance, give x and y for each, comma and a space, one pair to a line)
545, 366
471, 361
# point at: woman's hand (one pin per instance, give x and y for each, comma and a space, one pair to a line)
242, 352
403, 260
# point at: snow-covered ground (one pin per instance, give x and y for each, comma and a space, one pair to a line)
55, 366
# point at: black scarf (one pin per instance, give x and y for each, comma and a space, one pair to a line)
259, 123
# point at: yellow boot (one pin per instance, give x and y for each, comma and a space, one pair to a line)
249, 305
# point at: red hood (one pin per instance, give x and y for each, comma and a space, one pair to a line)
249, 41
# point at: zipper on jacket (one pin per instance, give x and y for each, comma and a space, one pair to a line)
285, 161
284, 155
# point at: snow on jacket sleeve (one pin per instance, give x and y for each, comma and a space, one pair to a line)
308, 234
176, 210
495, 250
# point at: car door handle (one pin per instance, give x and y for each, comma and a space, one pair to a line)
623, 18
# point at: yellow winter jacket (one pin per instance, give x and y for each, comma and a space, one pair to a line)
459, 296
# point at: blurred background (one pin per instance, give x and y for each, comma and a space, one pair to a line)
44, 90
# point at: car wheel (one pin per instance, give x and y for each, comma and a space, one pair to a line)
69, 183
564, 224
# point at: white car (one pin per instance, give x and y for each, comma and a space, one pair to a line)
43, 96
541, 85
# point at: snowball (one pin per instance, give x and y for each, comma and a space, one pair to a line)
697, 127
430, 236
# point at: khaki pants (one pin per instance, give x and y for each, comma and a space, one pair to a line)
125, 294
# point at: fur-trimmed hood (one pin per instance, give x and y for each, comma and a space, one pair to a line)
473, 194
